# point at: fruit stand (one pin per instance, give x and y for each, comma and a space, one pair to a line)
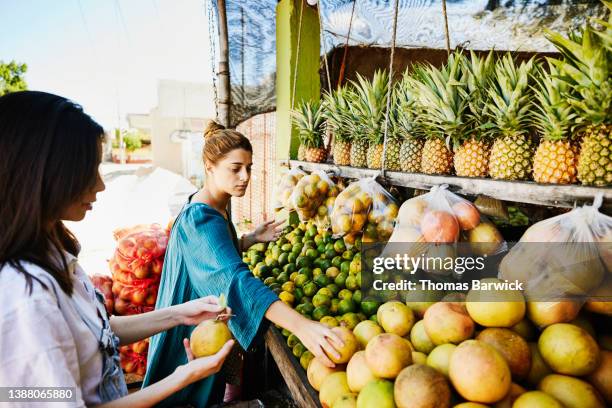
411, 158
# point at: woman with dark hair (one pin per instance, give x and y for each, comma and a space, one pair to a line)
54, 331
203, 258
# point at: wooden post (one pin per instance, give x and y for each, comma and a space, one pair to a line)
308, 85
225, 95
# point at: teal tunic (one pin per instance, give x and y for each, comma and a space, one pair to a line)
202, 260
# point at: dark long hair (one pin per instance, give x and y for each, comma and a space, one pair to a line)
49, 156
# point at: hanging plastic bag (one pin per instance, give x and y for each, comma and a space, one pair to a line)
364, 206
432, 224
284, 188
564, 257
310, 192
323, 218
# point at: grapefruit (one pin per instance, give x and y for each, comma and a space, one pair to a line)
571, 392
421, 386
333, 387
346, 401
358, 373
439, 358
539, 369
395, 317
568, 349
419, 338
495, 308
479, 372
601, 378
317, 372
546, 313
365, 331
387, 354
536, 399
351, 345
448, 322
512, 347
208, 338
377, 393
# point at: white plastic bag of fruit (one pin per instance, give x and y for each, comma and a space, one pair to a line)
311, 192
567, 256
365, 206
284, 188
323, 218
442, 217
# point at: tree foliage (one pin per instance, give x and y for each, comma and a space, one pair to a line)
11, 77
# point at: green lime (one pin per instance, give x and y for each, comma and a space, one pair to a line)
306, 358
337, 261
358, 243
276, 271
285, 333
298, 293
322, 280
256, 258
351, 283
320, 312
374, 318
350, 320
332, 272
287, 247
288, 287
312, 253
341, 279
297, 248
303, 262
282, 278
355, 266
329, 321
274, 286
291, 258
305, 271
325, 263
345, 294
345, 267
312, 231
330, 247
293, 276
287, 297
346, 306
283, 259
289, 268
339, 246
325, 292
301, 280
369, 307
330, 254
333, 308
358, 276
292, 340
321, 300
298, 350
333, 288
269, 280
310, 288
316, 272
321, 248
357, 296
307, 307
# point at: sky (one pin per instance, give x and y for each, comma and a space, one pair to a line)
107, 55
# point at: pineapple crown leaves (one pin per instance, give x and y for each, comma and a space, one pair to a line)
478, 72
510, 97
554, 116
586, 68
369, 105
308, 118
441, 96
402, 120
337, 112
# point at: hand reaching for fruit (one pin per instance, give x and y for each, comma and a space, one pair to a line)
321, 341
268, 231
198, 368
193, 312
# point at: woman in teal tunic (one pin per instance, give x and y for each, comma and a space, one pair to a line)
203, 258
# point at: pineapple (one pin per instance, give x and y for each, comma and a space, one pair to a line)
472, 153
436, 157
337, 114
442, 100
359, 151
404, 127
556, 158
301, 154
508, 110
370, 106
586, 65
308, 119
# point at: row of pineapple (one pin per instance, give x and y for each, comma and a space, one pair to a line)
478, 116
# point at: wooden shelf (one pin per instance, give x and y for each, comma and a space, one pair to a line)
294, 375
553, 195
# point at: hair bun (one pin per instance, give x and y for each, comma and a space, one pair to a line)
211, 128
